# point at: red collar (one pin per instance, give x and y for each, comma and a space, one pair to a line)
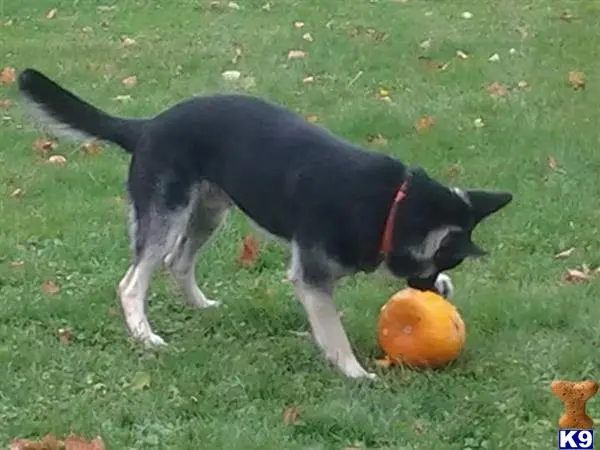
388, 231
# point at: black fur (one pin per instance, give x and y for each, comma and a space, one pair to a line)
293, 178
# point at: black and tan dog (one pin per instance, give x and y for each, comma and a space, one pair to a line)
341, 208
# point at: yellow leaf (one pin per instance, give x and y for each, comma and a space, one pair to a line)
424, 123
7, 75
49, 287
129, 82
51, 14
576, 79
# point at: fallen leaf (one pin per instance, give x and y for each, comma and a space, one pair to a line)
122, 98
129, 82
296, 54
266, 7
17, 264
376, 34
87, 30
453, 170
434, 65
576, 79
49, 287
127, 41
522, 84
419, 427
51, 14
312, 118
17, 193
237, 55
575, 275
44, 146
140, 381
49, 442
478, 123
461, 55
231, 75
565, 253
114, 311
307, 37
233, 5
512, 51
384, 363
298, 24
384, 92
496, 89
424, 123
73, 442
291, 416
249, 251
5, 103
566, 16
466, 15
308, 79
523, 33
552, 163
7, 76
425, 44
494, 58
91, 148
64, 336
377, 139
57, 160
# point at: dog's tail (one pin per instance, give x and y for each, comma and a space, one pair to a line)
70, 116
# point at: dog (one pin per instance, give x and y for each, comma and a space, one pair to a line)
341, 208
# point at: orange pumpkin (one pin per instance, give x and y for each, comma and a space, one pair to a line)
420, 329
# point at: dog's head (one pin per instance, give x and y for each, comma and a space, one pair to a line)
433, 228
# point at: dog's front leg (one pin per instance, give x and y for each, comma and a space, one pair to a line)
328, 330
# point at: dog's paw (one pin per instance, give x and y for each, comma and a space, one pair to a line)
153, 340
444, 286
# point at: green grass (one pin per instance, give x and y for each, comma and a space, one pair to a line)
229, 374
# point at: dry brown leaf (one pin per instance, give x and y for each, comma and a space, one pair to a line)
91, 148
565, 253
51, 14
566, 16
576, 79
291, 415
7, 76
453, 170
384, 363
129, 82
496, 89
434, 65
307, 37
5, 103
127, 41
57, 160
312, 118
552, 163
424, 123
574, 275
296, 54
73, 442
461, 55
64, 335
249, 251
419, 427
237, 54
378, 139
44, 146
17, 193
49, 287
523, 33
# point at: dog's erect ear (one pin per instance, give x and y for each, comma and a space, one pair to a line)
485, 203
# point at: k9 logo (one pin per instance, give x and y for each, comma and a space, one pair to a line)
575, 439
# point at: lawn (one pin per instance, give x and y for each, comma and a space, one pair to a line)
229, 374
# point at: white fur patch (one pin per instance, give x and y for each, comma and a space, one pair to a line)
47, 120
462, 194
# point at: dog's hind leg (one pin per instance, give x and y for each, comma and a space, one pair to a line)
208, 207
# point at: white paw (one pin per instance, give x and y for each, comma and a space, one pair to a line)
443, 284
355, 370
153, 340
203, 303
